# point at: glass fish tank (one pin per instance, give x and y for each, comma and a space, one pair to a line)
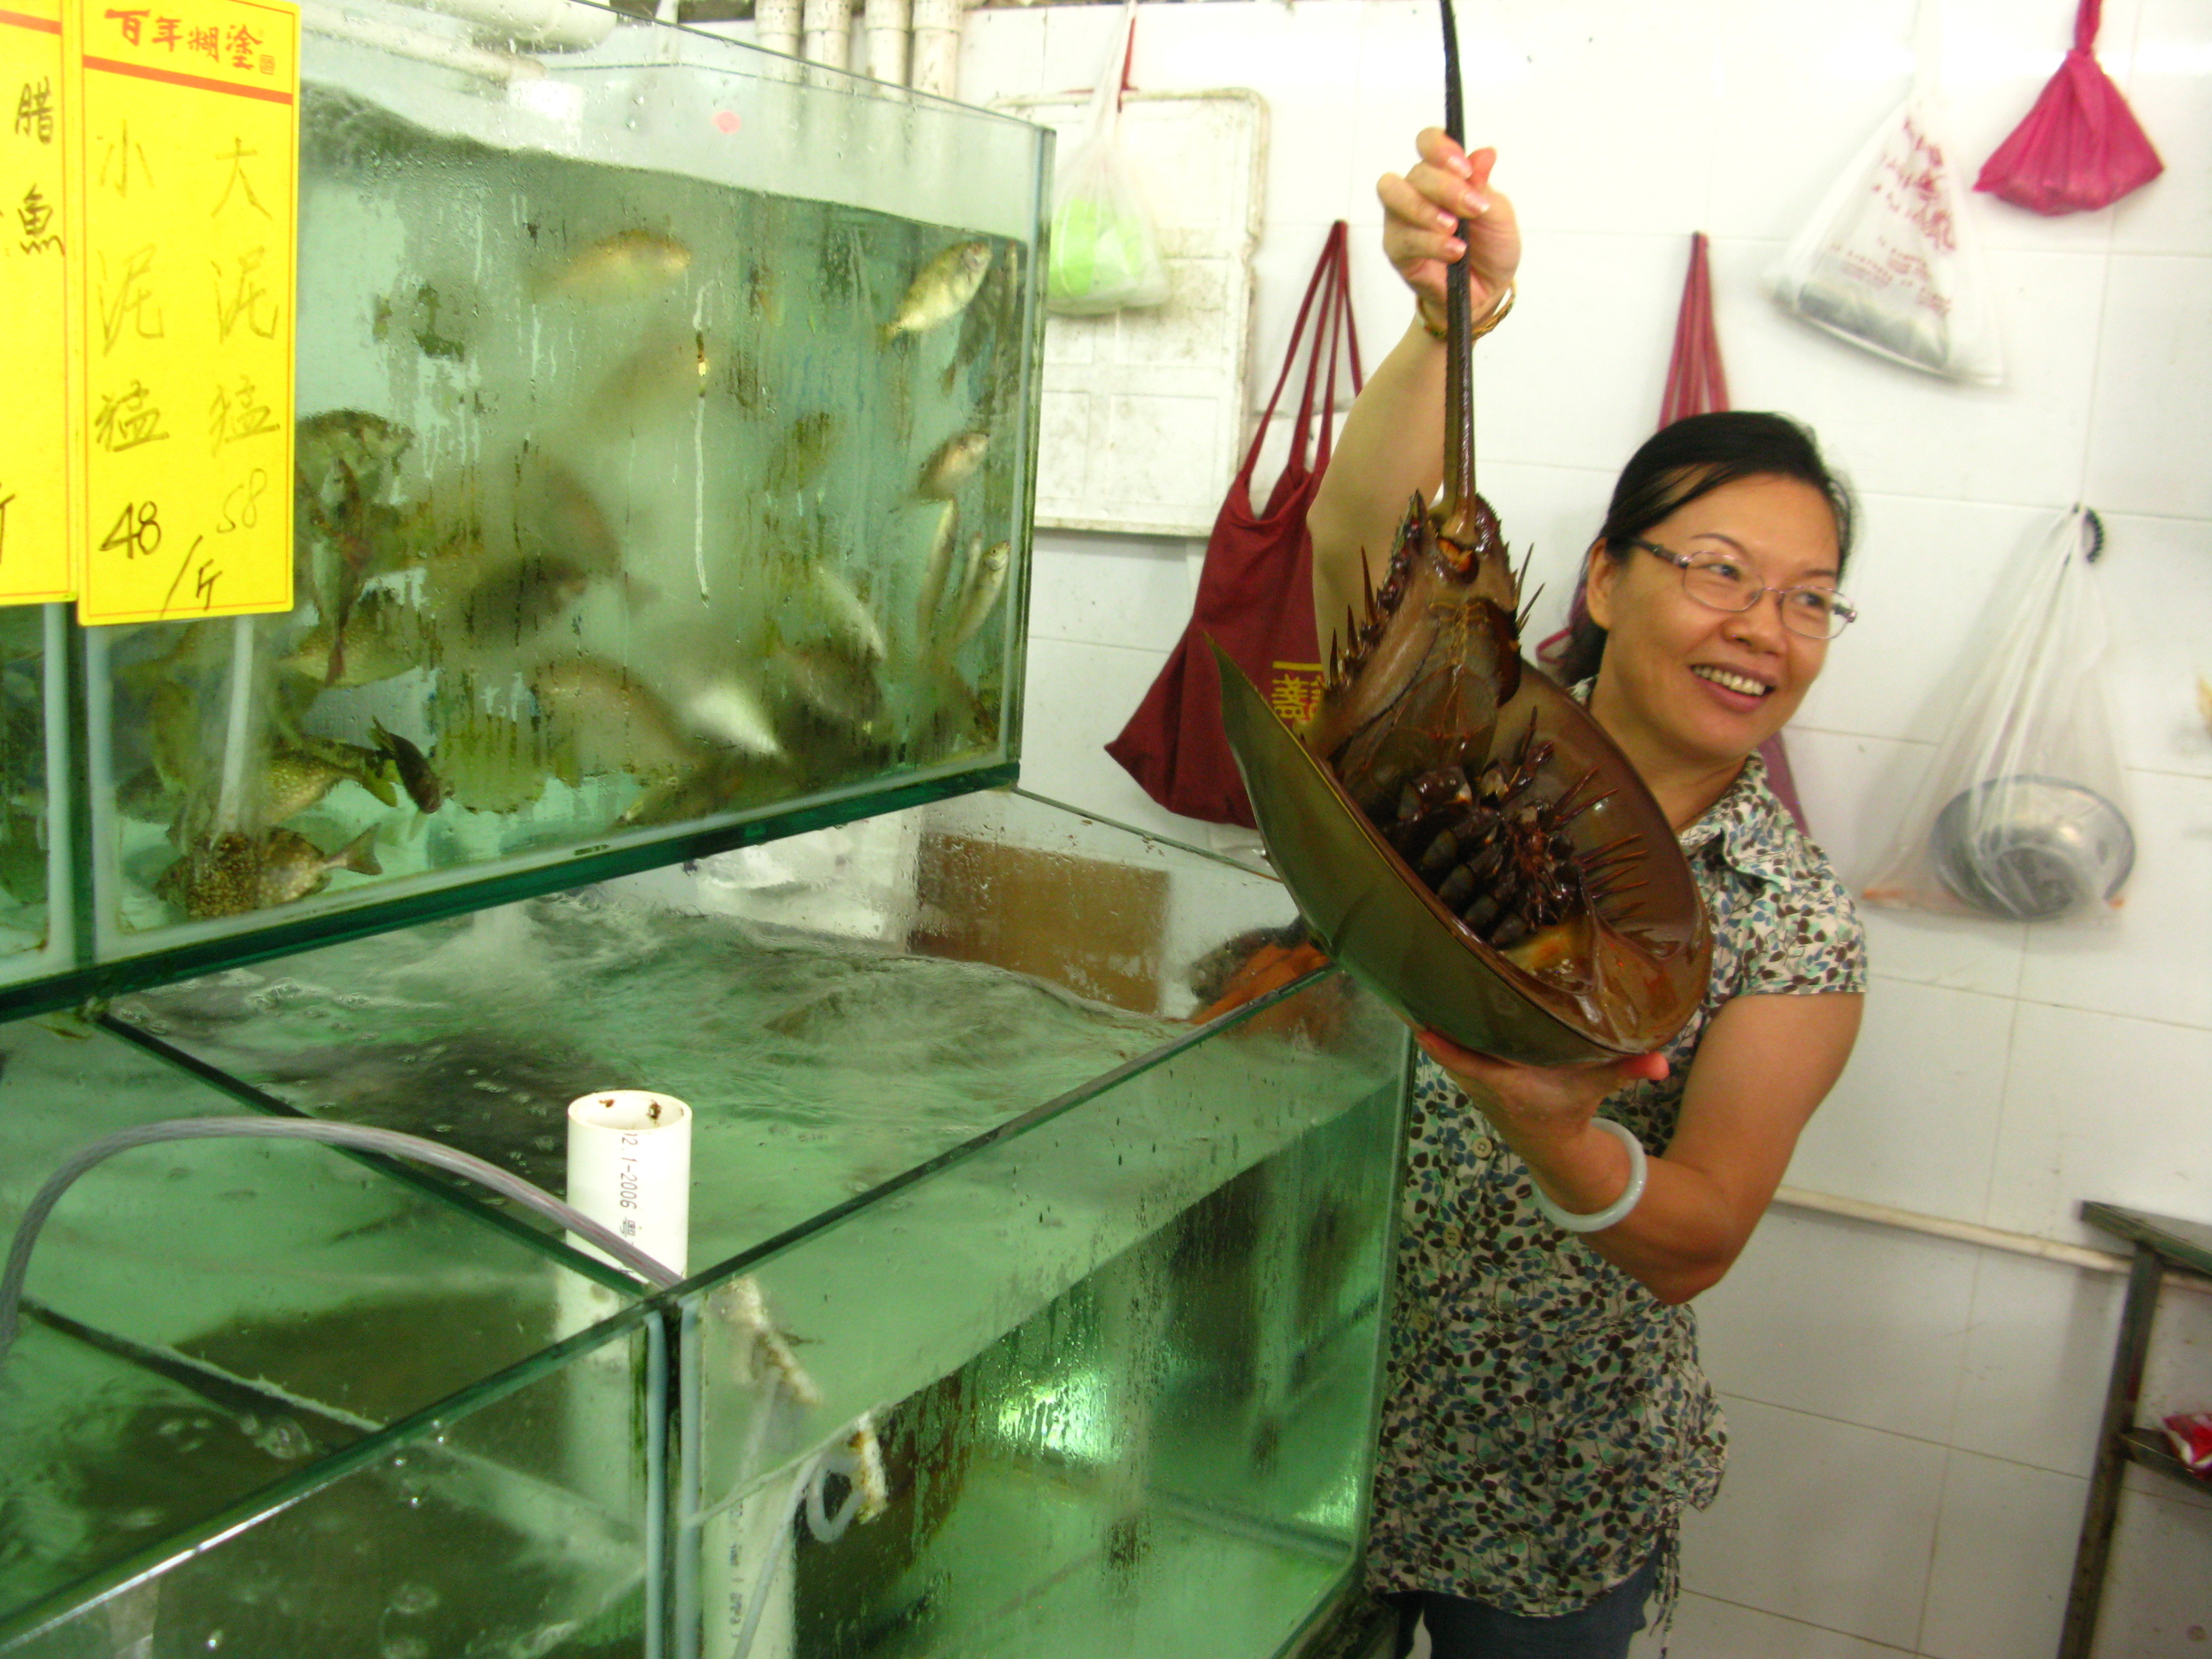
1031, 1287
267, 1398
37, 917
666, 417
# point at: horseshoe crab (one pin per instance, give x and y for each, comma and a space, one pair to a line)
1456, 830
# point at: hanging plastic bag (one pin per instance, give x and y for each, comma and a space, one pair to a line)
1889, 261
2080, 147
2022, 815
1105, 253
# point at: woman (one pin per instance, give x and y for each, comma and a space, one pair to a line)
1545, 1419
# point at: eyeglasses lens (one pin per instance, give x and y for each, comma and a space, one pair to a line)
1726, 586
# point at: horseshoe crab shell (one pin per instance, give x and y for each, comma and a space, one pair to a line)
1648, 951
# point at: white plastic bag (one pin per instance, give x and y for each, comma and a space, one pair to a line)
2022, 814
1105, 253
1890, 262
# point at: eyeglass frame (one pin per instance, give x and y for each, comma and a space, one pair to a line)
1841, 608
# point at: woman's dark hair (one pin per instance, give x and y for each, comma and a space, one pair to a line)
1692, 458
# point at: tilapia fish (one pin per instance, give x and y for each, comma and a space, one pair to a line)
951, 465
940, 290
1455, 828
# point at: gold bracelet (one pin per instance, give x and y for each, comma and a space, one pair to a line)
1496, 316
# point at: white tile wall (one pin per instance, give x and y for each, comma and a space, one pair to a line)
1913, 1418
2004, 1555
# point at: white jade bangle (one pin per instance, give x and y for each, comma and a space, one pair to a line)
1637, 1169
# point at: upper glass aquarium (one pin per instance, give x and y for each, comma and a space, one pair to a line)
663, 469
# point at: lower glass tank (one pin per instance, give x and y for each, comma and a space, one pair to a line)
1030, 1300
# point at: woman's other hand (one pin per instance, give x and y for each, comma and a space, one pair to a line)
1535, 1106
1420, 213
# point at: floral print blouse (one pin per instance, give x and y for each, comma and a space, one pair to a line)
1545, 1416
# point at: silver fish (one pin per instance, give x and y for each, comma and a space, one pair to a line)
940, 290
980, 589
938, 569
847, 612
952, 464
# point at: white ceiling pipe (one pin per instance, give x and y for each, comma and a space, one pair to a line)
776, 26
936, 48
889, 24
828, 33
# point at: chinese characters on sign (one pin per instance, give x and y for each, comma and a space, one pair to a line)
186, 124
1294, 691
34, 415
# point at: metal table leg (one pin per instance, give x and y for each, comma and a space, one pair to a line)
2102, 1509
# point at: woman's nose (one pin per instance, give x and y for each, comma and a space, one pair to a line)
1762, 625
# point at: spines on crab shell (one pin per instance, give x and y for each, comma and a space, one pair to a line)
1426, 667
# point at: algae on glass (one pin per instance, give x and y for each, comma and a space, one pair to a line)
650, 476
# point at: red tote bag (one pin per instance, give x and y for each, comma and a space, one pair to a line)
1255, 591
1696, 385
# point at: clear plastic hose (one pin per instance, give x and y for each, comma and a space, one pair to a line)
388, 1141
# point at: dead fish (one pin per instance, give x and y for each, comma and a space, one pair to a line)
625, 266
708, 787
613, 721
847, 612
234, 874
799, 454
980, 589
938, 569
385, 637
952, 464
940, 290
731, 715
424, 787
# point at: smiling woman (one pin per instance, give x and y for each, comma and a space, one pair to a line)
1547, 1420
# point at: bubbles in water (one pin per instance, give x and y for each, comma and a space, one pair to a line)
214, 1640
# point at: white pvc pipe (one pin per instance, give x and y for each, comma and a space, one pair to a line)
629, 1168
936, 67
889, 25
827, 28
776, 26
1970, 1232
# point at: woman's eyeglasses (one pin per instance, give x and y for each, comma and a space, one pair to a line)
1720, 581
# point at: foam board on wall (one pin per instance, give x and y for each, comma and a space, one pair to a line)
1142, 409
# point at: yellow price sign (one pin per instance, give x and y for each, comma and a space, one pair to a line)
184, 200
34, 414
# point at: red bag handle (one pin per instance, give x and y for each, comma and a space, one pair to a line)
2086, 24
1331, 284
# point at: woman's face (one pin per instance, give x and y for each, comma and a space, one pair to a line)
1708, 686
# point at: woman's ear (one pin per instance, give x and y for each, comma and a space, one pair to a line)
1600, 572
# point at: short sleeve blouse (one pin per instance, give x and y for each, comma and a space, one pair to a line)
1545, 1417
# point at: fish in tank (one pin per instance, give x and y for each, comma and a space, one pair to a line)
624, 499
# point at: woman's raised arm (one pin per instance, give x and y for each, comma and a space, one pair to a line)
1393, 442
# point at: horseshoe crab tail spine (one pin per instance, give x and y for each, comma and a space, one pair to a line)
1459, 360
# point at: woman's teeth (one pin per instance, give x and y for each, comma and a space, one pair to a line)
1743, 683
